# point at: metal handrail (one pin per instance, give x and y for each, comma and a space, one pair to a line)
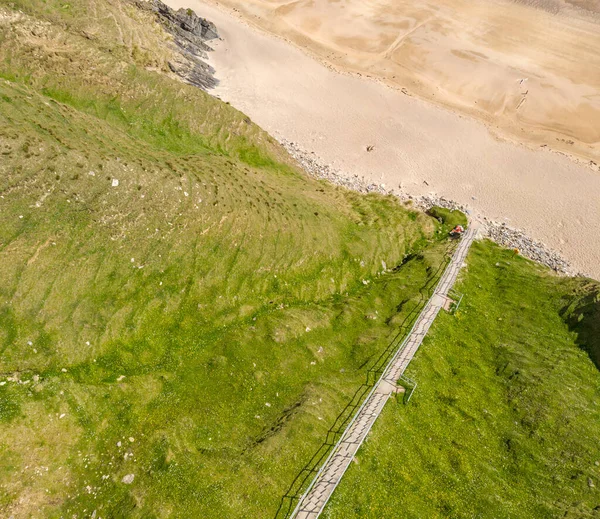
372, 371
410, 381
382, 377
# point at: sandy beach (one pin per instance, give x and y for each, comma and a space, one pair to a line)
529, 69
418, 147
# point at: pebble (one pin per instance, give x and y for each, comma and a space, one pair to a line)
128, 479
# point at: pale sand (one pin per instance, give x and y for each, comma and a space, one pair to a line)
532, 74
296, 98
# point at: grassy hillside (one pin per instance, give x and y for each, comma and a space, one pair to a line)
183, 314
178, 304
504, 421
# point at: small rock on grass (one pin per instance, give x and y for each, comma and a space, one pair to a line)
128, 479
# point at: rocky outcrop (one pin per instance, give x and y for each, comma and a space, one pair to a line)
190, 34
186, 23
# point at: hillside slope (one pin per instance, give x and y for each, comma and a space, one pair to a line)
182, 313
504, 420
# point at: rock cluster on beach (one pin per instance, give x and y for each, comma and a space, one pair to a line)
190, 34
537, 251
312, 165
498, 232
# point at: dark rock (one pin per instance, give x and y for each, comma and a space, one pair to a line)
190, 34
186, 24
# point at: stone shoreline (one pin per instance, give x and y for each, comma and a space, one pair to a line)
500, 233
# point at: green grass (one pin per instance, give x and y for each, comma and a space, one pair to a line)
216, 306
202, 323
504, 421
448, 218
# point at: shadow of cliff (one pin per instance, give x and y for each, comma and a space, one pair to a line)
582, 315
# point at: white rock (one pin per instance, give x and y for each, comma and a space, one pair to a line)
115, 182
128, 479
